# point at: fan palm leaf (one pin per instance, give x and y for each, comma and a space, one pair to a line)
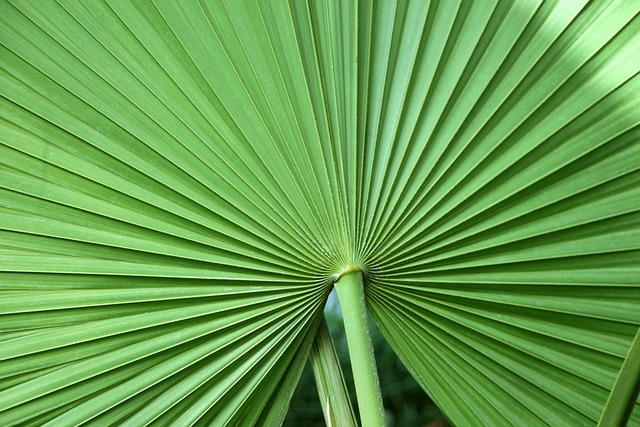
181, 184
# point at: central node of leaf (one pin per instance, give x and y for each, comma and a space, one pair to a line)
348, 269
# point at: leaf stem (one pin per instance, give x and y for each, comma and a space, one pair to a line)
625, 390
350, 289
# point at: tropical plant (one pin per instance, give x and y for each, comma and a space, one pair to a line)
184, 182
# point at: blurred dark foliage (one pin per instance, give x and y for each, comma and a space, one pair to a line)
406, 404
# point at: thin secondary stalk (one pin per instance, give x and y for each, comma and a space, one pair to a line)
350, 289
625, 390
332, 389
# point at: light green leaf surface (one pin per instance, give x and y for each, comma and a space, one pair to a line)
180, 180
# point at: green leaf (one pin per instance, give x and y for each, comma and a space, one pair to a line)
181, 182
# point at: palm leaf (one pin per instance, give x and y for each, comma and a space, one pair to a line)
181, 181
